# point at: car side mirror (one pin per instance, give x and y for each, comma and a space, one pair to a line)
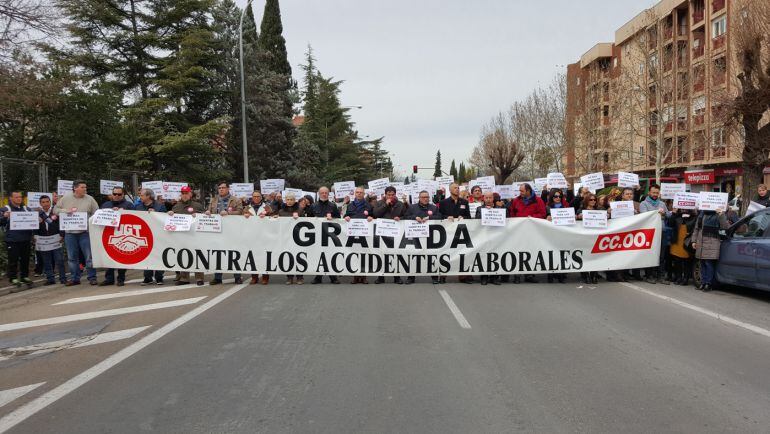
723, 234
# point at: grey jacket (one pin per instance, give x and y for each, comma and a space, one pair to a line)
707, 239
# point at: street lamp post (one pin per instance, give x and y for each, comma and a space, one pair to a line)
243, 98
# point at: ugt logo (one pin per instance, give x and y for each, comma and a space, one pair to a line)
130, 242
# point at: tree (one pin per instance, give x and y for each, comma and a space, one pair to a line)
461, 174
23, 21
437, 168
272, 41
497, 152
406, 180
453, 171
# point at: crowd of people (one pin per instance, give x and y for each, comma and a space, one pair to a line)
688, 236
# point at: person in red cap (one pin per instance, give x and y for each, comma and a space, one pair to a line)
225, 204
186, 205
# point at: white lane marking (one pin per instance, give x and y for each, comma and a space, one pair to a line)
9, 395
97, 314
712, 314
78, 342
127, 294
22, 413
455, 311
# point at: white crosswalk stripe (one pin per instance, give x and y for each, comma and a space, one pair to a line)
9, 395
128, 294
78, 342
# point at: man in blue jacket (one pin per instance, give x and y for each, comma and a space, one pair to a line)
118, 201
17, 242
148, 203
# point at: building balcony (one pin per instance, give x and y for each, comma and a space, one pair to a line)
668, 33
681, 125
698, 87
718, 42
606, 120
669, 127
717, 5
667, 66
682, 30
698, 119
653, 102
698, 52
718, 78
697, 16
653, 130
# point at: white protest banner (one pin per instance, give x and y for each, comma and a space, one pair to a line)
594, 181
387, 228
359, 228
105, 217
106, 186
487, 183
178, 223
669, 190
141, 243
414, 229
241, 189
685, 201
344, 188
563, 216
63, 187
493, 216
557, 180
754, 207
155, 186
472, 207
712, 201
505, 191
622, 208
173, 190
74, 221
208, 223
33, 198
267, 186
25, 220
539, 184
445, 181
47, 243
594, 219
626, 179
378, 185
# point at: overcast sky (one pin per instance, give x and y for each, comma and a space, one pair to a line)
429, 73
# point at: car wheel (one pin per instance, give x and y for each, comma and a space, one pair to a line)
696, 274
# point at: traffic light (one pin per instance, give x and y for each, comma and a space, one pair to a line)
414, 169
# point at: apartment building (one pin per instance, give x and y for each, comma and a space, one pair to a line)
654, 98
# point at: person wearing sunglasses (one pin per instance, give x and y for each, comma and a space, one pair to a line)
556, 199
591, 203
117, 202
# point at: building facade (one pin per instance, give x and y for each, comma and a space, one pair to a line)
652, 100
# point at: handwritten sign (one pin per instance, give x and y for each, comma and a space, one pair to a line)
486, 183
594, 219
173, 190
47, 243
25, 220
387, 228
472, 207
178, 223
428, 185
75, 221
445, 181
563, 216
63, 187
359, 228
208, 223
155, 186
622, 208
105, 217
712, 201
414, 229
626, 179
268, 186
297, 192
106, 186
557, 180
33, 198
493, 216
685, 201
506, 191
669, 190
594, 181
241, 189
539, 184
344, 188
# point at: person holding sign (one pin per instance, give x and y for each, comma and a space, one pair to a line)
455, 207
706, 242
225, 204
389, 208
527, 205
682, 224
763, 197
148, 203
589, 204
359, 208
48, 243
77, 241
653, 202
186, 205
324, 208
17, 241
489, 203
117, 202
292, 209
626, 195
556, 200
422, 211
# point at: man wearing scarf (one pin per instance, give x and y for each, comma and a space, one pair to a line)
654, 203
359, 209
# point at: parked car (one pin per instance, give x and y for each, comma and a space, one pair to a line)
744, 256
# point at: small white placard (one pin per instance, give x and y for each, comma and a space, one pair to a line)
296, 191
685, 201
539, 184
563, 216
557, 180
359, 228
712, 201
106, 186
387, 228
487, 184
594, 219
445, 181
47, 243
472, 207
173, 190
506, 191
754, 207
155, 186
241, 189
178, 223
493, 216
63, 187
516, 188
622, 208
626, 179
105, 217
74, 221
33, 198
414, 229
267, 186
594, 181
208, 223
344, 188
25, 220
378, 185
669, 190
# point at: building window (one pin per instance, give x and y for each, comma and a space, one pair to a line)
718, 144
719, 26
641, 68
615, 62
578, 81
720, 70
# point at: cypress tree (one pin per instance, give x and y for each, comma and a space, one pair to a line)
453, 171
437, 168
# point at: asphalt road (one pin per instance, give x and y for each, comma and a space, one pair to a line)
390, 358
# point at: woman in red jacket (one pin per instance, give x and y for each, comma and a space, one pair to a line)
526, 205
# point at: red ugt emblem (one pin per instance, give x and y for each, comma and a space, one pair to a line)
130, 242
